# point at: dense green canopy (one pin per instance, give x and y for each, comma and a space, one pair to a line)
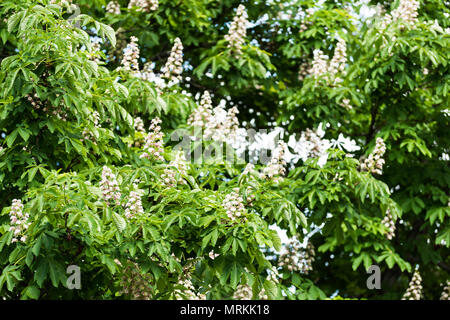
356, 93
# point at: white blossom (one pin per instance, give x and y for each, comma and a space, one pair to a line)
337, 63
153, 148
133, 207
277, 164
19, 221
414, 291
233, 204
174, 65
144, 5
389, 223
177, 165
131, 56
110, 187
238, 30
243, 292
445, 295
374, 163
296, 257
113, 7
319, 64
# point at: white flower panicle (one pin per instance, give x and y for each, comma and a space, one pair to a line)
234, 205
217, 123
296, 258
19, 221
414, 291
374, 163
177, 165
131, 56
290, 256
113, 7
243, 292
88, 134
238, 30
319, 63
445, 295
406, 11
174, 65
139, 125
337, 63
202, 115
153, 147
144, 5
110, 187
134, 208
307, 258
277, 164
389, 223
135, 284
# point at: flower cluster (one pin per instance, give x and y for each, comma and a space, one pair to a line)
139, 125
217, 124
134, 207
321, 66
243, 292
148, 74
305, 22
174, 65
406, 11
88, 134
445, 295
144, 5
319, 63
153, 147
95, 54
233, 204
310, 145
131, 56
238, 30
35, 101
303, 71
135, 284
307, 258
202, 115
277, 164
337, 63
19, 221
113, 7
389, 223
346, 103
140, 129
110, 187
414, 290
188, 292
295, 257
374, 163
176, 165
